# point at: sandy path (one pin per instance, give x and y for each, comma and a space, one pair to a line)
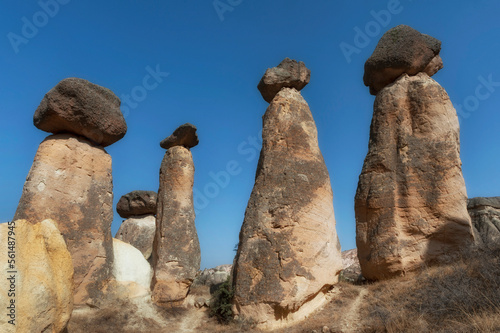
350, 322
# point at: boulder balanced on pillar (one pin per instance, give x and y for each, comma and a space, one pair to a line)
288, 255
176, 249
411, 201
70, 180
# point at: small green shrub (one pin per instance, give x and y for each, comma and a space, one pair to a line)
220, 304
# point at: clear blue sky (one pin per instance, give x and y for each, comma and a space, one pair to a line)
215, 60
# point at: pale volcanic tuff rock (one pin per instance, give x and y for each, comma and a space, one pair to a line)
185, 135
289, 255
139, 231
137, 203
411, 201
176, 249
401, 49
288, 74
78, 106
485, 215
70, 182
44, 280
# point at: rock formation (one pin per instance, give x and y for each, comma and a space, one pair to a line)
137, 203
185, 135
288, 74
139, 209
288, 255
411, 201
70, 180
401, 49
176, 249
485, 215
130, 266
139, 231
81, 107
41, 277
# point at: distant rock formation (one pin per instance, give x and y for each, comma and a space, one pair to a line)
70, 180
176, 249
43, 282
350, 264
213, 276
288, 256
401, 49
411, 201
137, 203
83, 108
485, 215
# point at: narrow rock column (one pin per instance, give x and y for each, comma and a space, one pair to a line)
70, 180
176, 249
411, 201
288, 255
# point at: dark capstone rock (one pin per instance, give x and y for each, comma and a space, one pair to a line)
185, 135
288, 74
485, 216
81, 107
137, 203
401, 49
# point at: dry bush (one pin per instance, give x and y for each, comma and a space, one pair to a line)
463, 296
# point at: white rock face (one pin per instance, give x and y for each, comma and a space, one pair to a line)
130, 265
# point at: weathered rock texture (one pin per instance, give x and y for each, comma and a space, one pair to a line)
137, 203
401, 49
130, 266
70, 182
289, 255
185, 135
81, 107
288, 74
350, 263
43, 284
411, 201
139, 231
485, 215
176, 249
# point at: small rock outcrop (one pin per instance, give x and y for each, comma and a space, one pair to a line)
78, 106
70, 180
176, 249
288, 74
288, 256
43, 278
485, 215
411, 201
401, 49
137, 203
213, 276
130, 266
139, 231
185, 135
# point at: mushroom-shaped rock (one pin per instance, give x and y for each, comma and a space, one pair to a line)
137, 203
288, 74
401, 49
78, 106
185, 135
